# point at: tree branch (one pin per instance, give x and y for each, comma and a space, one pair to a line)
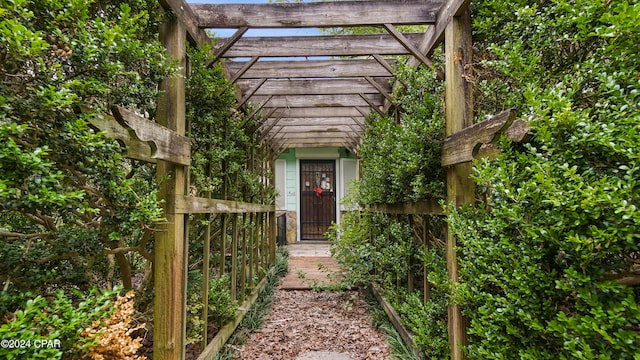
623, 278
66, 255
12, 236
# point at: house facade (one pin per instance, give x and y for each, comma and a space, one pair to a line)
311, 184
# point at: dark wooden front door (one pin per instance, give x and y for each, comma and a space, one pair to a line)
317, 198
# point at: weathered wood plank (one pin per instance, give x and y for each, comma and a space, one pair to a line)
316, 87
463, 145
310, 69
233, 77
188, 18
435, 33
519, 130
317, 14
170, 260
424, 207
460, 187
165, 144
315, 129
312, 143
135, 148
408, 43
313, 135
293, 123
293, 101
405, 334
224, 45
198, 205
446, 13
248, 93
322, 45
311, 112
314, 268
384, 89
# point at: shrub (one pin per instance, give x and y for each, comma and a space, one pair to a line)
60, 319
546, 262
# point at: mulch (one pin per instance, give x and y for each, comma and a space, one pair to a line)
304, 321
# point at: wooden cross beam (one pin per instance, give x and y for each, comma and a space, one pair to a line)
321, 45
317, 14
343, 68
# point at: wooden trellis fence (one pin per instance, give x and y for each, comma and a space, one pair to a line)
152, 142
458, 149
165, 144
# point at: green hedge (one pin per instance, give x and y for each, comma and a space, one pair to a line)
541, 259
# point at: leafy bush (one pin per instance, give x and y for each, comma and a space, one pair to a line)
60, 320
401, 159
547, 262
221, 306
426, 321
67, 196
373, 247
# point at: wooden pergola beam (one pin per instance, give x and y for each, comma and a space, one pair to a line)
446, 13
247, 93
316, 129
321, 45
315, 121
314, 135
245, 67
317, 14
460, 186
310, 143
434, 35
408, 43
308, 69
170, 246
368, 85
382, 89
373, 105
188, 17
292, 101
226, 44
322, 112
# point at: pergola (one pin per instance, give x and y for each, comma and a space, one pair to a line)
315, 91
303, 102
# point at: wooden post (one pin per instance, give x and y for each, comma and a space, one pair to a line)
425, 269
252, 244
206, 257
234, 257
223, 242
410, 275
459, 115
170, 241
243, 265
272, 217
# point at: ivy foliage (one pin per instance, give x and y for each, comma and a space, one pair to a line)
401, 153
549, 265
